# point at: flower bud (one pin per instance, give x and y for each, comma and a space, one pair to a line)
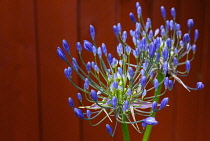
199, 85
94, 95
130, 72
79, 47
88, 113
144, 93
173, 12
165, 54
119, 27
115, 85
187, 65
74, 63
88, 46
88, 66
168, 43
114, 102
86, 84
99, 52
120, 71
156, 83
170, 85
186, 38
79, 113
194, 48
196, 34
124, 36
163, 103
175, 61
163, 11
116, 31
120, 49
165, 67
156, 32
154, 106
171, 24
68, 72
190, 24
151, 50
66, 46
166, 82
61, 54
103, 46
133, 19
79, 96
129, 92
150, 121
110, 58
92, 32
143, 81
71, 102
96, 68
109, 129
126, 103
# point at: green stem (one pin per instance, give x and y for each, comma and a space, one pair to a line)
126, 135
149, 127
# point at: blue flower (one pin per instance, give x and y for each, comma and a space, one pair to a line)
79, 113
120, 86
61, 54
199, 85
88, 46
150, 121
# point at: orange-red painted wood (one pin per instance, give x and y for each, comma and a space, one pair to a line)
55, 21
34, 91
19, 116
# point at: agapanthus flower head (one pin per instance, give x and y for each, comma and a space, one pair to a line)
121, 89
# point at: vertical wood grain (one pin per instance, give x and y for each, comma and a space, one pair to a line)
18, 72
56, 20
34, 90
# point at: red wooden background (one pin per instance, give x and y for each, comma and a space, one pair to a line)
34, 91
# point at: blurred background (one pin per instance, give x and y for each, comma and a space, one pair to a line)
34, 90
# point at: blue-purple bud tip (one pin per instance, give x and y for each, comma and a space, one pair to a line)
79, 96
79, 113
163, 103
150, 121
94, 95
199, 85
71, 102
154, 106
109, 129
92, 32
66, 46
61, 54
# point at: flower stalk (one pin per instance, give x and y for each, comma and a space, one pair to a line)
125, 129
148, 129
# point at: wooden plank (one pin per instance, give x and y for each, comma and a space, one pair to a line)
203, 114
56, 20
187, 103
18, 69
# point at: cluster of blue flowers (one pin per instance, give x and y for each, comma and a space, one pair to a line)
119, 87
